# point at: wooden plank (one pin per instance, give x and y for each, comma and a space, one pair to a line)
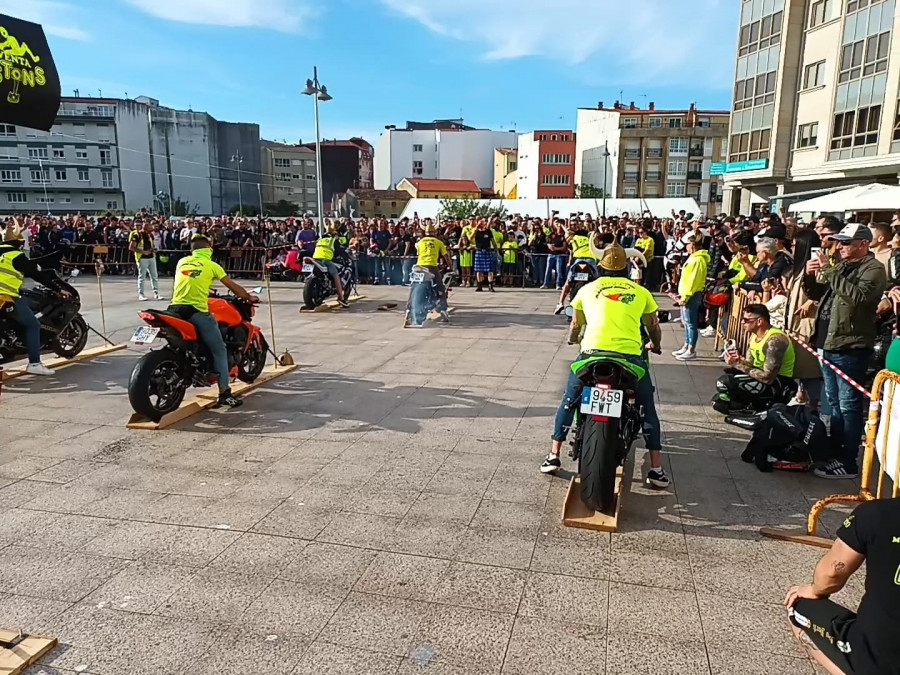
578, 514
16, 658
60, 363
330, 305
796, 537
207, 399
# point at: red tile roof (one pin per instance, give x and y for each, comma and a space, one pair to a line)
437, 185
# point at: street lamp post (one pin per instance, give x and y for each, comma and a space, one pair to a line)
605, 156
319, 92
236, 158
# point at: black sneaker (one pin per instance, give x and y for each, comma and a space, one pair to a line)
559, 309
343, 303
836, 470
492, 288
551, 464
229, 400
658, 478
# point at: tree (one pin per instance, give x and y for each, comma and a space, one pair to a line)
180, 207
283, 208
248, 210
469, 208
590, 192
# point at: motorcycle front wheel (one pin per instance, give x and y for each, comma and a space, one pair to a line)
314, 291
254, 361
598, 463
71, 339
156, 386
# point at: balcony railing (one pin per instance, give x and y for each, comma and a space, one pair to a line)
631, 175
645, 124
632, 153
654, 152
653, 175
696, 151
695, 175
69, 110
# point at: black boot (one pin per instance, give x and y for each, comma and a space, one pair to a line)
480, 287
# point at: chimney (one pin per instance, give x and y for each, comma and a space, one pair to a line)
599, 105
651, 106
631, 106
616, 105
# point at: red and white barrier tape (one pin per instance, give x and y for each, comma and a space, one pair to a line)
853, 383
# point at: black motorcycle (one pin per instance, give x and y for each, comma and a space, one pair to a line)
319, 284
64, 331
582, 275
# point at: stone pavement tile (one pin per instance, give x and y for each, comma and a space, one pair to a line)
724, 661
66, 471
403, 576
634, 653
472, 639
358, 529
518, 486
747, 625
211, 595
258, 554
749, 580
323, 658
227, 513
588, 558
321, 495
172, 544
376, 623
555, 648
347, 474
66, 532
648, 534
507, 516
454, 507
293, 520
564, 598
263, 486
291, 608
481, 587
389, 501
25, 466
140, 587
427, 535
89, 500
328, 566
16, 523
67, 577
659, 569
493, 546
723, 549
30, 613
671, 614
238, 651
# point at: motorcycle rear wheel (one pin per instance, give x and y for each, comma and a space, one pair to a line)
71, 340
314, 292
156, 386
598, 463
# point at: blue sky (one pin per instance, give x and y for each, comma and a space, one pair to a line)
502, 63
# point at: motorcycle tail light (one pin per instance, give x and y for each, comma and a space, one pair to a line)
146, 316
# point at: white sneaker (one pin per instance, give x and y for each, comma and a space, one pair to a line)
39, 369
687, 356
157, 296
679, 352
142, 298
709, 331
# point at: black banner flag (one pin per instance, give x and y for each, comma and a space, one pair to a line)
29, 83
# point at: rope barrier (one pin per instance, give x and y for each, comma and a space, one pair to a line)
853, 383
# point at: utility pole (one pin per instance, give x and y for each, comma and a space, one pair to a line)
238, 159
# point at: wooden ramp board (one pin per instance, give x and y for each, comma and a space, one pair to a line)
796, 537
60, 363
206, 400
432, 316
17, 652
578, 514
330, 305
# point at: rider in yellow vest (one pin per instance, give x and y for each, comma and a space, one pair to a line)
580, 242
14, 268
324, 253
431, 250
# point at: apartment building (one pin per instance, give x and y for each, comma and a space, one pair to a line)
648, 153
546, 165
506, 173
346, 164
815, 100
289, 174
442, 150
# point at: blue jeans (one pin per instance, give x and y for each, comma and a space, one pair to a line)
556, 261
690, 317
590, 262
643, 394
209, 333
23, 315
382, 269
847, 421
407, 268
538, 268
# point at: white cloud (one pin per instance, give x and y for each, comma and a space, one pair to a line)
637, 41
289, 16
57, 18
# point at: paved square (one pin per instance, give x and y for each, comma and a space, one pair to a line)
380, 511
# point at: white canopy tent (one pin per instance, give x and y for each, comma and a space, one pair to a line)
872, 197
541, 208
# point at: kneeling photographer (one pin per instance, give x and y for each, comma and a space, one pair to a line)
766, 376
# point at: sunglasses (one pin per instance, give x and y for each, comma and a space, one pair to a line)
749, 319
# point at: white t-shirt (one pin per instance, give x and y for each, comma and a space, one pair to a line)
776, 307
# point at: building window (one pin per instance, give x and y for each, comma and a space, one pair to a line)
896, 136
106, 179
84, 175
512, 166
81, 154
59, 153
754, 91
65, 200
557, 159
78, 129
7, 130
283, 177
856, 127
676, 189
749, 145
856, 5
112, 204
630, 123
543, 137
807, 135
822, 11
655, 123
88, 200
675, 122
678, 145
677, 167
552, 179
310, 191
37, 153
630, 191
864, 57
103, 133
553, 137
417, 168
61, 174
281, 162
814, 75
310, 176
40, 175
760, 34
11, 176
16, 197
105, 158
43, 199
417, 147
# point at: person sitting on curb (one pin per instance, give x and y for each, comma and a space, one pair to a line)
845, 642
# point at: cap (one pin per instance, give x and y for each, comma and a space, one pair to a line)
853, 232
774, 232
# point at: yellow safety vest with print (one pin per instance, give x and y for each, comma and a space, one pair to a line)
509, 252
324, 248
499, 238
758, 352
613, 308
11, 279
430, 250
581, 246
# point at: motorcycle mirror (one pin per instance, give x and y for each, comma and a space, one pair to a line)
570, 312
257, 290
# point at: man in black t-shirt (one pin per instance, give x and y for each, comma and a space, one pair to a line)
866, 642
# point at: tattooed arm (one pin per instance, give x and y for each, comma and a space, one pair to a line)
775, 349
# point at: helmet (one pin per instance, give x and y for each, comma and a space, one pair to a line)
717, 294
430, 230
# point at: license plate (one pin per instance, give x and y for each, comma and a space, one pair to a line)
307, 268
601, 401
417, 277
582, 276
145, 335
